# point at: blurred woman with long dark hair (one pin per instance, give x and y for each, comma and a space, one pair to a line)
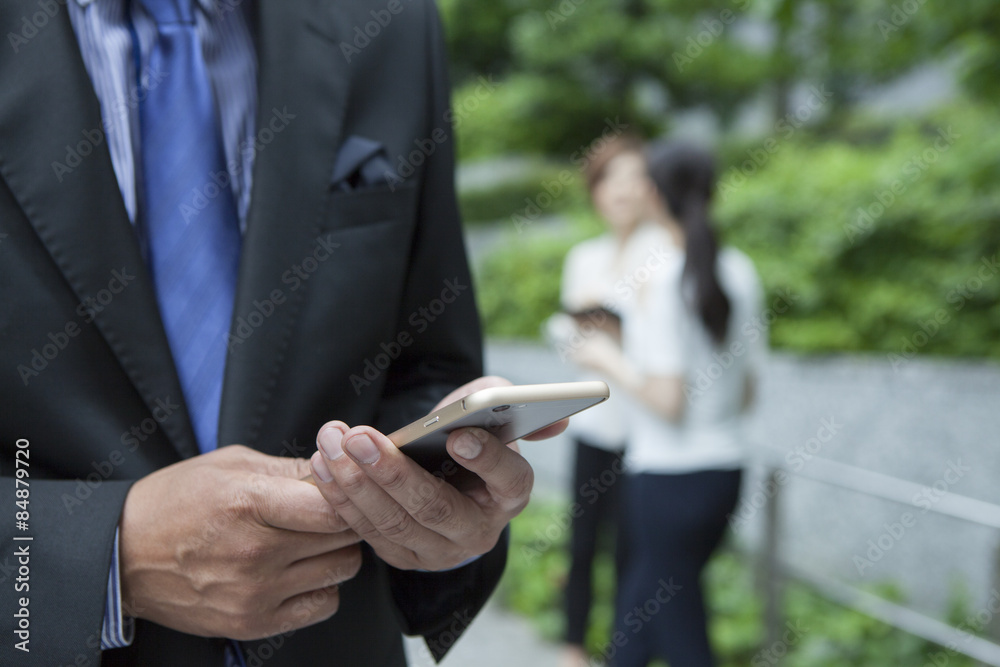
620, 190
688, 356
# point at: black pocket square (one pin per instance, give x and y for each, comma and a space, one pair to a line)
361, 163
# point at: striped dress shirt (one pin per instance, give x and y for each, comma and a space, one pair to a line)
104, 30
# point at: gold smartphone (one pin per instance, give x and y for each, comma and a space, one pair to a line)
510, 413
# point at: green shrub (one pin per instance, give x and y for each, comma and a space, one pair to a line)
518, 286
526, 198
873, 268
915, 274
530, 113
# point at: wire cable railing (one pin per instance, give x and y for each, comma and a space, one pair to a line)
877, 485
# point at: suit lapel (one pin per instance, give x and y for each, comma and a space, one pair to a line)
303, 84
50, 114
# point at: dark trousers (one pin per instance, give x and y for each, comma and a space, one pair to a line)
597, 482
674, 523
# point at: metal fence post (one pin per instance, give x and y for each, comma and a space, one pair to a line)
992, 629
770, 568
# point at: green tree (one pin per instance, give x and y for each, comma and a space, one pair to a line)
568, 64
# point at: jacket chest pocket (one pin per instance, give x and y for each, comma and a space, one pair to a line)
370, 206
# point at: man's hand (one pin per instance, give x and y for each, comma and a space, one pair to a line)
412, 518
602, 353
232, 544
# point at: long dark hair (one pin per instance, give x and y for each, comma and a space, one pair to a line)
684, 175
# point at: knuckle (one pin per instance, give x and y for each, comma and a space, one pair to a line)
200, 582
519, 484
353, 480
241, 450
512, 506
435, 512
247, 554
393, 477
334, 495
240, 506
245, 502
494, 460
238, 457
257, 485
366, 529
424, 492
234, 453
396, 524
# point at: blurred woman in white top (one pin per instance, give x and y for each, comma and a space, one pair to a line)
689, 354
595, 290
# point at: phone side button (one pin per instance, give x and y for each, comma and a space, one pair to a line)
432, 420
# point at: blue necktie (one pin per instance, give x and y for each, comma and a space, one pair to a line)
192, 228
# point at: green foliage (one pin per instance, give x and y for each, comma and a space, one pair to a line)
566, 64
904, 272
532, 114
965, 31
901, 270
827, 635
736, 623
544, 191
477, 35
537, 565
518, 287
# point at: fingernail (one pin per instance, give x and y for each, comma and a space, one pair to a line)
329, 441
468, 445
320, 469
363, 449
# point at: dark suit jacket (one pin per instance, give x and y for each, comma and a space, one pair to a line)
85, 371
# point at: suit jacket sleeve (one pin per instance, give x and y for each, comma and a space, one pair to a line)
62, 571
438, 605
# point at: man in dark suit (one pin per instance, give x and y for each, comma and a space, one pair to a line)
352, 303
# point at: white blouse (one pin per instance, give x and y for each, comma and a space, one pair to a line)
599, 272
663, 336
